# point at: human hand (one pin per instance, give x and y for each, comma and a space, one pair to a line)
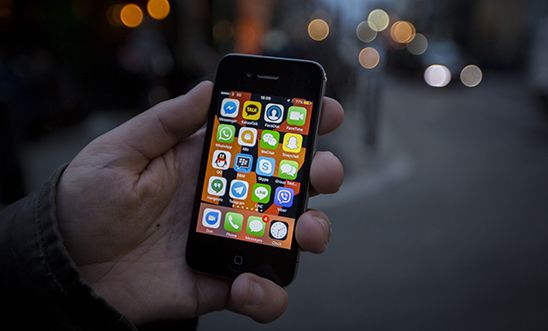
124, 209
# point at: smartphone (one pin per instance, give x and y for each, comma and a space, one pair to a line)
254, 176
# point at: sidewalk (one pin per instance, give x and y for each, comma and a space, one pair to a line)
453, 237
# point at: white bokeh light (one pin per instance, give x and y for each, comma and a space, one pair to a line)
418, 45
365, 33
378, 20
437, 75
471, 75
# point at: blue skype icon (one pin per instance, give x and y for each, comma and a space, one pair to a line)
265, 166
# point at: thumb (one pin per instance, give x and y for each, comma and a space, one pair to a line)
257, 297
155, 131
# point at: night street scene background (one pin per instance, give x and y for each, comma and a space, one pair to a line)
442, 223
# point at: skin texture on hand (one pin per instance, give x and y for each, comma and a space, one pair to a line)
124, 210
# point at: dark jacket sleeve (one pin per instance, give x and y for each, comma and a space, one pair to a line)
40, 286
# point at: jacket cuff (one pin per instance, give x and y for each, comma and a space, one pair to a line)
43, 281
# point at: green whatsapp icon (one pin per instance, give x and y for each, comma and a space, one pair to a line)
225, 133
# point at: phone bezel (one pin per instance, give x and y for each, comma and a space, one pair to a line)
269, 76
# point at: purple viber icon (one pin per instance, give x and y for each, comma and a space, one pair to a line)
283, 197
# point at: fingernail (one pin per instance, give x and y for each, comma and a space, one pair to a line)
256, 295
326, 227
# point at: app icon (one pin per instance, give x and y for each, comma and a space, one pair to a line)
211, 218
247, 137
225, 133
273, 113
238, 189
260, 193
216, 186
252, 110
221, 160
255, 226
278, 230
229, 107
233, 222
243, 162
292, 143
288, 169
265, 166
269, 139
296, 116
283, 196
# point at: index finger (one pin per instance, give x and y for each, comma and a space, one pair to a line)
155, 131
332, 115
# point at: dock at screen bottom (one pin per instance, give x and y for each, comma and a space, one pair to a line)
245, 225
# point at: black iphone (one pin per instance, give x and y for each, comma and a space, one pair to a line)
254, 176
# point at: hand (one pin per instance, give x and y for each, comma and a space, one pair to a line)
124, 207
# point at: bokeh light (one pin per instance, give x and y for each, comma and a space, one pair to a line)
6, 7
131, 15
113, 14
471, 75
437, 75
403, 32
369, 58
378, 20
158, 9
275, 40
365, 33
318, 29
418, 45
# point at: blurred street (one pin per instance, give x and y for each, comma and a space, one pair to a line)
443, 227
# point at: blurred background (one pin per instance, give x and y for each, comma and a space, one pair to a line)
442, 223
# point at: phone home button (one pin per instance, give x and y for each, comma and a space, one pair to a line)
238, 260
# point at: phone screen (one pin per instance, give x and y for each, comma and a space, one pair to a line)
252, 186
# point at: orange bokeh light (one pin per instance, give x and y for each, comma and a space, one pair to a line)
403, 32
158, 9
318, 29
369, 58
6, 7
131, 15
113, 14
